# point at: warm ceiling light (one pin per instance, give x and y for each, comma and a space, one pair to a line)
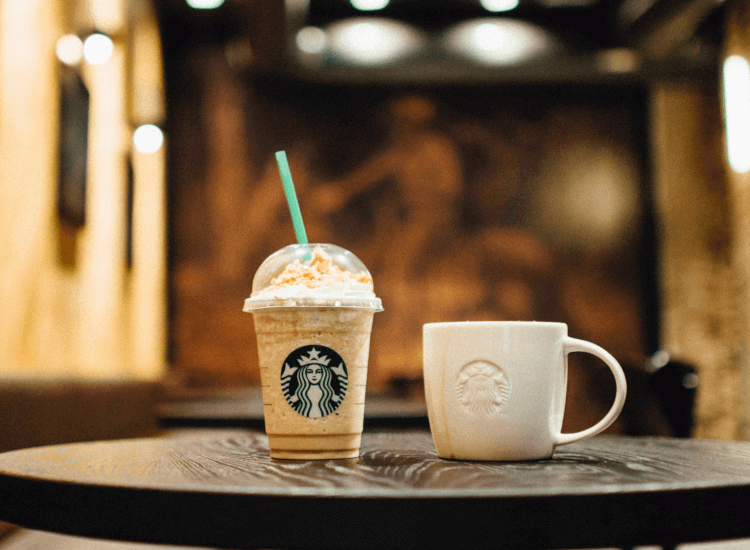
495, 41
737, 112
69, 49
98, 48
148, 138
204, 4
373, 41
312, 40
499, 5
369, 5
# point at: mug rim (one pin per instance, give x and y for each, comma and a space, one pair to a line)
454, 324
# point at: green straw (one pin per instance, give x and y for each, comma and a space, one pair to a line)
291, 198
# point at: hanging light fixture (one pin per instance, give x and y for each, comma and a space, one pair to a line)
498, 41
737, 112
369, 5
97, 48
69, 49
204, 4
148, 138
496, 6
373, 41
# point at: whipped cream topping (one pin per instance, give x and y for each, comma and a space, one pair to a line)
317, 277
317, 272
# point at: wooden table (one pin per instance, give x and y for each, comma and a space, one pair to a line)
219, 488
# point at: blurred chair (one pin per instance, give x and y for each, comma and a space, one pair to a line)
661, 398
675, 385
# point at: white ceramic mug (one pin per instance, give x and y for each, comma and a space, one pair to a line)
496, 390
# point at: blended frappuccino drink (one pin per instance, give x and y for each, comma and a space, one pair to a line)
313, 308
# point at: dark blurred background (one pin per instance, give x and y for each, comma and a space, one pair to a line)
556, 160
483, 164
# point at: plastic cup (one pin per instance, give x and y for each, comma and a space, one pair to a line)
313, 345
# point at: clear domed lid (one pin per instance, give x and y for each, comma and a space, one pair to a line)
312, 275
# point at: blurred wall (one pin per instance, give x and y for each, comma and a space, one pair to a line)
703, 213
699, 302
738, 42
227, 196
466, 203
81, 298
88, 300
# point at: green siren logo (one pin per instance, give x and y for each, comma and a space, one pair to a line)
314, 380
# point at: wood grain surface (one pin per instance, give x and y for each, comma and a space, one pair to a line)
220, 488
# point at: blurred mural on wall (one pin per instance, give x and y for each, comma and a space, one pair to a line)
466, 203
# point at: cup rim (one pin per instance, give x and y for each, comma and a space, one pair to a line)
456, 324
367, 304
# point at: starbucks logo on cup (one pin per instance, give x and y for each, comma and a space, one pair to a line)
314, 380
483, 388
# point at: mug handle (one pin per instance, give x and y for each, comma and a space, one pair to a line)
573, 344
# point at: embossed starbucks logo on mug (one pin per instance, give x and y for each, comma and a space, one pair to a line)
482, 387
314, 380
